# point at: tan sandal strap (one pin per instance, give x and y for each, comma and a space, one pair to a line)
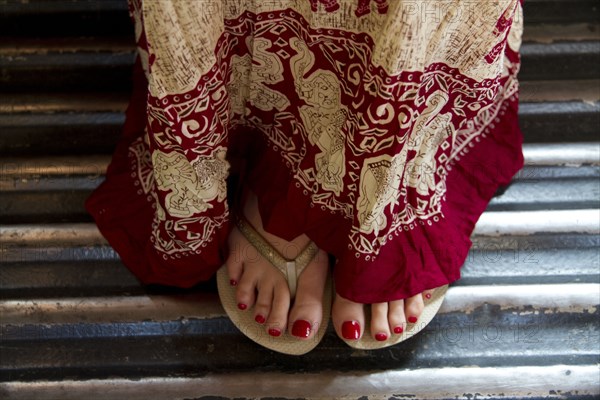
291, 269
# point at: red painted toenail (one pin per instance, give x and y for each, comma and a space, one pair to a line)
274, 332
381, 337
242, 306
351, 330
398, 330
233, 282
301, 328
412, 320
260, 319
427, 296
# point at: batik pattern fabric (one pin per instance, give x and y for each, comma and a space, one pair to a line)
379, 128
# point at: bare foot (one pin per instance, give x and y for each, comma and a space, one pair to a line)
387, 319
263, 290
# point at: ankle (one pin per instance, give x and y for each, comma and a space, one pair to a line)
288, 249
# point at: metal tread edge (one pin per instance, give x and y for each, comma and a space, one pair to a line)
524, 382
492, 223
571, 298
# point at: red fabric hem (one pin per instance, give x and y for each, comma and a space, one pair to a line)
437, 252
124, 214
426, 257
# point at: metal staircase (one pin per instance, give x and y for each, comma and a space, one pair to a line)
523, 322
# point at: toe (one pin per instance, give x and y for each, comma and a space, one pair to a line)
305, 318
277, 319
396, 316
234, 262
348, 318
307, 313
264, 299
380, 329
246, 291
413, 307
427, 295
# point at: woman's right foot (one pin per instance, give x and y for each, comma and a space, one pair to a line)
260, 285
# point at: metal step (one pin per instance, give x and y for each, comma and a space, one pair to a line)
549, 11
61, 123
57, 260
154, 335
559, 121
48, 70
53, 189
526, 382
570, 60
90, 123
60, 133
522, 322
55, 270
79, 66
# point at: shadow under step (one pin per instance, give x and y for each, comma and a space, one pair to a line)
555, 11
109, 17
43, 18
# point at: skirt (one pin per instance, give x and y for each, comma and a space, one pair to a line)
381, 129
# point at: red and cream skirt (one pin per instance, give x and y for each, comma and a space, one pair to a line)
381, 129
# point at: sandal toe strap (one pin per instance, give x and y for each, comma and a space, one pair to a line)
291, 269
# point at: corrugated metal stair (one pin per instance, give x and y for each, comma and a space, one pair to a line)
522, 323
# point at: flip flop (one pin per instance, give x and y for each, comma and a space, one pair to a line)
432, 306
291, 270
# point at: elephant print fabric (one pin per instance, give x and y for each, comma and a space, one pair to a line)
381, 128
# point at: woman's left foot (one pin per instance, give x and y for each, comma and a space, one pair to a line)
387, 319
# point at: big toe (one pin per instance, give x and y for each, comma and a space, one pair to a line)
305, 319
306, 314
348, 318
